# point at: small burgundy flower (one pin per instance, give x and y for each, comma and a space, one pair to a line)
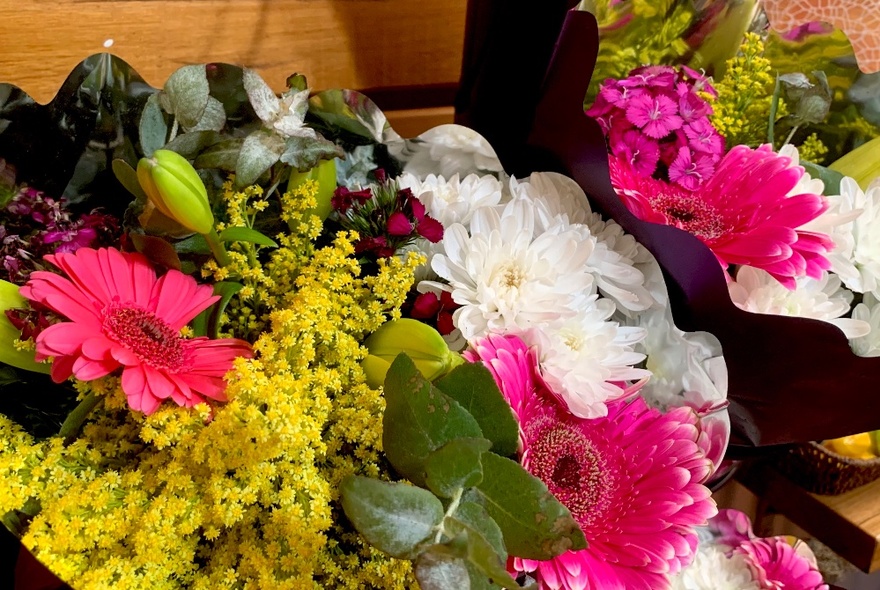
438, 311
344, 199
399, 225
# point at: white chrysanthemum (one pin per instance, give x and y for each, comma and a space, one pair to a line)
713, 570
806, 183
454, 200
451, 149
860, 265
756, 291
508, 276
613, 261
867, 311
686, 367
579, 358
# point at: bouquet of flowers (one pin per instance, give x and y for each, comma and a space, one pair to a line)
289, 348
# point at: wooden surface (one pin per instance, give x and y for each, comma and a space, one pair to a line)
336, 43
849, 524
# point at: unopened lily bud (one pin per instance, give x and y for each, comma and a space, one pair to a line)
325, 175
422, 343
174, 187
862, 164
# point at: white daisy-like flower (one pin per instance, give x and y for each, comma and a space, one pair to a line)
859, 262
508, 276
713, 570
867, 311
451, 149
806, 183
453, 200
613, 261
826, 299
686, 367
585, 359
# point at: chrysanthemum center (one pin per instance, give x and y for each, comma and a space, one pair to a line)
572, 469
691, 214
146, 335
512, 276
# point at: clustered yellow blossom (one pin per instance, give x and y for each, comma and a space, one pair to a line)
244, 494
745, 93
812, 149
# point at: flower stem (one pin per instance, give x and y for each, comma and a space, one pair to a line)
75, 419
453, 506
217, 247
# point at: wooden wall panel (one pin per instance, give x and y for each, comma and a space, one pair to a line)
336, 43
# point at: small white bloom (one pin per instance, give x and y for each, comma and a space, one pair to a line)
453, 200
505, 275
451, 149
713, 570
859, 266
806, 184
285, 115
867, 311
579, 358
756, 291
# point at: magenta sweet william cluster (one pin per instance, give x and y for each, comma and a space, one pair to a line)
657, 121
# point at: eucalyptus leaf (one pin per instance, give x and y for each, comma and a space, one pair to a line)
393, 517
127, 177
439, 571
246, 234
194, 244
350, 110
472, 385
262, 98
535, 524
152, 128
187, 94
480, 552
476, 517
260, 150
830, 177
191, 144
419, 419
456, 466
223, 155
213, 119
304, 153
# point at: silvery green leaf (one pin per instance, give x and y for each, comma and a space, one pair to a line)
265, 103
187, 94
294, 106
259, 152
152, 127
189, 145
304, 153
222, 155
351, 111
213, 119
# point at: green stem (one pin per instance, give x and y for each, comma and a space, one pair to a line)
790, 135
774, 106
453, 506
75, 419
174, 129
217, 247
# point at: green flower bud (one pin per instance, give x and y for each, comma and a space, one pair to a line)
22, 359
174, 187
325, 175
422, 343
862, 164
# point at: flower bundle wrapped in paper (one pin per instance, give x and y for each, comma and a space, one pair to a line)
254, 341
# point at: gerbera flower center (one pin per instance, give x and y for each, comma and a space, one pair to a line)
146, 335
573, 469
690, 213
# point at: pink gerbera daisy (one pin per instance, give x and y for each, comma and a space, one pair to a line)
743, 212
632, 480
121, 315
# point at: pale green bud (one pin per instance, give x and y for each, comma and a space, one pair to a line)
862, 164
174, 187
422, 343
22, 359
325, 175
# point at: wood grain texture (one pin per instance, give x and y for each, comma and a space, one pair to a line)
336, 43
